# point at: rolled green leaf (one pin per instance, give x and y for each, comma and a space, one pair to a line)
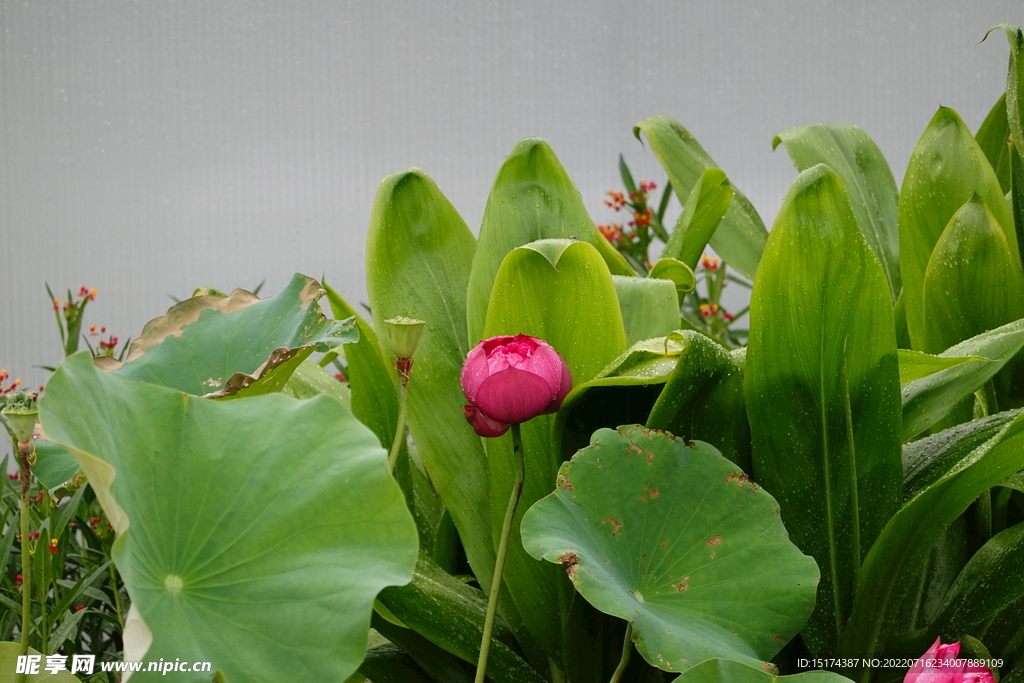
727, 671
822, 389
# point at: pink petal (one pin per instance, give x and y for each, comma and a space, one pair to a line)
564, 387
474, 371
483, 425
513, 396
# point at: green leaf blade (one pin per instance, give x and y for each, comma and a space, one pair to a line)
822, 389
741, 236
869, 183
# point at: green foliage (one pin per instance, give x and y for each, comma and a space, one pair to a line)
674, 538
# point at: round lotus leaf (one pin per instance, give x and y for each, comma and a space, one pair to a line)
672, 536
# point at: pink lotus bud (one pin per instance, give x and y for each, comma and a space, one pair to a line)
510, 380
940, 664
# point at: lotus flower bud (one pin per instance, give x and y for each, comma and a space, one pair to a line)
940, 664
509, 380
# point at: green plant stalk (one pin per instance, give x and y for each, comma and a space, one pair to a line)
627, 650
23, 449
499, 562
396, 445
117, 596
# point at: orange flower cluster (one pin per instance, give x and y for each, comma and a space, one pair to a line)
3, 378
715, 311
84, 294
709, 262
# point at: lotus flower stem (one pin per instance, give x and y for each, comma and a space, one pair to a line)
24, 450
396, 445
627, 650
499, 562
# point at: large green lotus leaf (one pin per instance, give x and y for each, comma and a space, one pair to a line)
741, 236
990, 582
625, 390
945, 170
532, 198
649, 306
671, 536
728, 671
973, 283
247, 530
450, 614
703, 398
992, 137
822, 389
560, 291
858, 162
418, 258
9, 653
703, 211
892, 571
929, 399
201, 342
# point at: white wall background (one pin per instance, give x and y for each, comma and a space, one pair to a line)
150, 147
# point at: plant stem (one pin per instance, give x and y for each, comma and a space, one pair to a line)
24, 449
627, 650
117, 596
396, 445
499, 562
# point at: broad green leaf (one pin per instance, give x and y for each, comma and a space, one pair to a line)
858, 162
8, 663
992, 137
435, 662
990, 582
822, 389
945, 170
371, 380
703, 211
649, 306
917, 364
1016, 196
418, 257
310, 380
671, 536
532, 199
246, 529
389, 663
728, 671
559, 291
929, 399
927, 460
891, 572
741, 236
201, 342
624, 391
450, 614
1014, 80
973, 283
703, 398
